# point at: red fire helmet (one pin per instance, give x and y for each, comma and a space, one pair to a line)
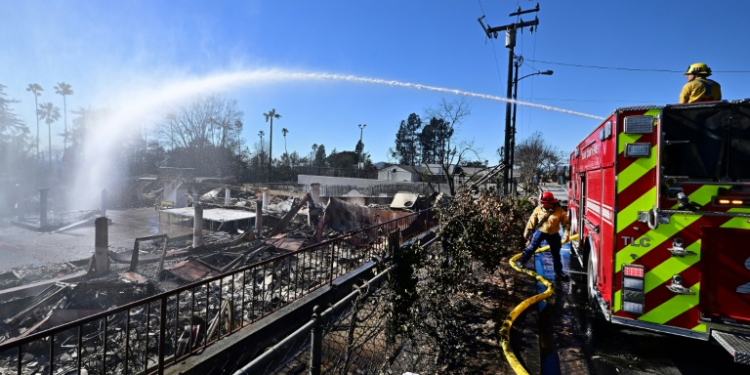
548, 197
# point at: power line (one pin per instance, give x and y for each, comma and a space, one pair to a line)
595, 100
628, 69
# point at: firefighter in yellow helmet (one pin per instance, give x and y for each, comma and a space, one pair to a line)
699, 88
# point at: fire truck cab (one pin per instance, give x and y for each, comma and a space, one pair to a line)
660, 198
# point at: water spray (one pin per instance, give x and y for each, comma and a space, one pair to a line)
242, 78
97, 168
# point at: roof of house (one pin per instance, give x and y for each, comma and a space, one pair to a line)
408, 168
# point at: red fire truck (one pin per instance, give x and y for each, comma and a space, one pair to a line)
660, 197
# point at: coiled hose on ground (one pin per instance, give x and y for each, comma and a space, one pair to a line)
505, 330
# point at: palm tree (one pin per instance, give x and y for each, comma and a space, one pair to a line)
63, 89
284, 131
269, 117
50, 114
37, 90
238, 127
260, 155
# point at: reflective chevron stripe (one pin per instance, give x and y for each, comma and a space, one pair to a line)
656, 236
670, 309
636, 170
636, 243
629, 214
672, 266
637, 178
703, 195
658, 275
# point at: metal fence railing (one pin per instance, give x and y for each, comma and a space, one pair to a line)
346, 338
146, 336
350, 337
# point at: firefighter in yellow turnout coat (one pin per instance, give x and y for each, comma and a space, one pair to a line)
699, 88
544, 225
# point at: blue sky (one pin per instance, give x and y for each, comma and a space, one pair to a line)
113, 52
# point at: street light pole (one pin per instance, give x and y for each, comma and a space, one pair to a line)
510, 42
518, 63
361, 131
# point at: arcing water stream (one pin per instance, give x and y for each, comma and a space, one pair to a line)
97, 164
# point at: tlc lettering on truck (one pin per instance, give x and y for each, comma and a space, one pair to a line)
641, 242
667, 257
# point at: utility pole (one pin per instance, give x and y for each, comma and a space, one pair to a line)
510, 43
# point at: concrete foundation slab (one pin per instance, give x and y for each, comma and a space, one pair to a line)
214, 219
26, 248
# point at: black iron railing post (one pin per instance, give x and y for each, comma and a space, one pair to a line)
316, 343
231, 308
162, 333
78, 349
104, 347
221, 304
330, 275
176, 336
148, 330
127, 340
52, 353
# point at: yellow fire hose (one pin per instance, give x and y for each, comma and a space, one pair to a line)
505, 330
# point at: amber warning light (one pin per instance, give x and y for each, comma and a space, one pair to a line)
731, 202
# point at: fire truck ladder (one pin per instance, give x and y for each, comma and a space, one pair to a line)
737, 345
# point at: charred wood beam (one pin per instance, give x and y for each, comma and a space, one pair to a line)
42, 299
289, 215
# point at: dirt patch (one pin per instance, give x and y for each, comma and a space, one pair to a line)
487, 304
471, 319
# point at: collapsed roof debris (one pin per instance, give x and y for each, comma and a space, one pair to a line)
158, 263
63, 302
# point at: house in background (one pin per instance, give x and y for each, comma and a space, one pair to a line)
428, 172
401, 173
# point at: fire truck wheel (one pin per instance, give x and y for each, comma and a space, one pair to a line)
591, 283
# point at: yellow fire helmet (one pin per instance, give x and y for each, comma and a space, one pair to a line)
699, 69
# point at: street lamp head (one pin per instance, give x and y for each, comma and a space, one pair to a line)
546, 73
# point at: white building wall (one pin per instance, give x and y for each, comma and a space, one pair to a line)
358, 182
326, 180
400, 175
